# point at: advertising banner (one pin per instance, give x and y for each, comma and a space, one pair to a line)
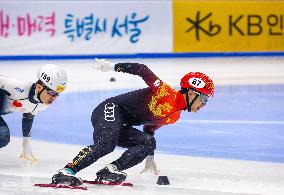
85, 27
228, 26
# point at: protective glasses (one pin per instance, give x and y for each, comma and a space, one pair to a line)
203, 98
51, 92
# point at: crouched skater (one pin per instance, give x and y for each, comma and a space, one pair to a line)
30, 99
113, 121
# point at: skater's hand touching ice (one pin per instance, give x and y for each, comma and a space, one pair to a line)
150, 166
27, 153
103, 65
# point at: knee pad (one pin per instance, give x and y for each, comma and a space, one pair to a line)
4, 133
4, 140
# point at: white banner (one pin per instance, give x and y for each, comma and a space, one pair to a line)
85, 27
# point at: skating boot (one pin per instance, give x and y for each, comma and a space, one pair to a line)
111, 173
67, 177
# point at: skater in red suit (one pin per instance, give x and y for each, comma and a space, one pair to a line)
113, 121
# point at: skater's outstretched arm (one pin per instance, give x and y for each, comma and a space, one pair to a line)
131, 68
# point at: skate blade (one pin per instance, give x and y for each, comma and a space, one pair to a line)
60, 186
109, 183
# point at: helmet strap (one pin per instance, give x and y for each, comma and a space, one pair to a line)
38, 95
188, 105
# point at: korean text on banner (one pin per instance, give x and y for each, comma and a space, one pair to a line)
84, 27
228, 26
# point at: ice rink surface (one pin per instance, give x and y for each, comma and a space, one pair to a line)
235, 145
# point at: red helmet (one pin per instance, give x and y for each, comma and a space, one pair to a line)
199, 82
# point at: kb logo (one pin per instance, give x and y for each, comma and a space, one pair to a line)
109, 112
199, 27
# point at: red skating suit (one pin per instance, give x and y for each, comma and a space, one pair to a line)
153, 107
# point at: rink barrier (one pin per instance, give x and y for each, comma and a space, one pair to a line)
228, 26
83, 29
143, 55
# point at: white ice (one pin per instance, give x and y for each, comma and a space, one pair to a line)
187, 175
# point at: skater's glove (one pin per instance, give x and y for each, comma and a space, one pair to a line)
27, 153
150, 166
103, 65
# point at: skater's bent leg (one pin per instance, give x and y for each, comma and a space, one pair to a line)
105, 136
4, 133
139, 145
89, 155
